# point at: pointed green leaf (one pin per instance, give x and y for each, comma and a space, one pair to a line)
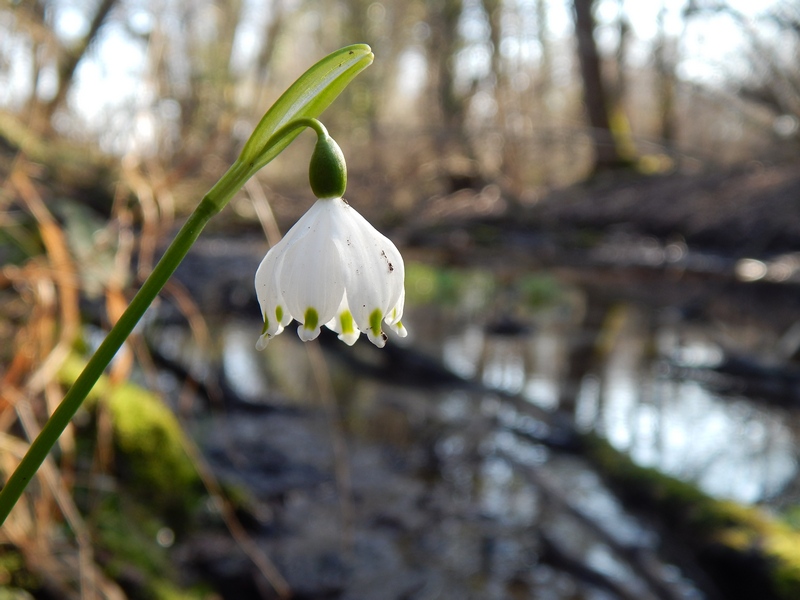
309, 96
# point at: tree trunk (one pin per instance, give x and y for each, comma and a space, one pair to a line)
445, 16
665, 60
544, 81
606, 152
452, 144
68, 62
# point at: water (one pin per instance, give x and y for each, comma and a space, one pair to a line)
646, 394
404, 487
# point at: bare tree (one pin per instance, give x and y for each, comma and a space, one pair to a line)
449, 97
443, 45
67, 62
545, 79
772, 50
665, 61
606, 152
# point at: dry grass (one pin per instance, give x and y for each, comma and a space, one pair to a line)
41, 316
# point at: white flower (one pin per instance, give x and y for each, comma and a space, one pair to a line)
332, 268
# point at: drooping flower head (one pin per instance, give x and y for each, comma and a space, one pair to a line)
332, 267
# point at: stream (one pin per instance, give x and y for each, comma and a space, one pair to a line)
435, 469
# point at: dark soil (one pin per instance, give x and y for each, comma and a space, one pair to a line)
750, 210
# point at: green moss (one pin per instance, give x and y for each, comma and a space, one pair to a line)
539, 290
641, 481
149, 441
784, 548
10, 593
164, 590
420, 283
15, 578
19, 241
157, 487
152, 440
125, 532
791, 516
426, 284
743, 529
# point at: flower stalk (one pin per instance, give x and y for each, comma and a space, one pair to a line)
312, 93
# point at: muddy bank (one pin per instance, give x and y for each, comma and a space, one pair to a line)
750, 210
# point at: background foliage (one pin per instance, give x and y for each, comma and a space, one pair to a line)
116, 115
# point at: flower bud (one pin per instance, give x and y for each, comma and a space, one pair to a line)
327, 171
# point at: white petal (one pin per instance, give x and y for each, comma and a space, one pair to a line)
274, 309
269, 297
311, 278
375, 272
399, 329
343, 324
379, 340
262, 341
307, 334
394, 316
332, 268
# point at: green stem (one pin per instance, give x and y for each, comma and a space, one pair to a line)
287, 130
213, 202
314, 124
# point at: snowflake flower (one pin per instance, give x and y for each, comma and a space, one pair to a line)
336, 269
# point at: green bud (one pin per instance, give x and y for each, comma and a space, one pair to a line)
327, 171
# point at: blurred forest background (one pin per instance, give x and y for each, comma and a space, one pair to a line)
514, 93
117, 115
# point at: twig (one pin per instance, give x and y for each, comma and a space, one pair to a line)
556, 555
240, 535
263, 211
630, 554
63, 272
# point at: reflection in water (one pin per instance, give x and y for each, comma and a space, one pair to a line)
239, 363
637, 398
450, 501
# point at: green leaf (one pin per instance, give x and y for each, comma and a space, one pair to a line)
309, 96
